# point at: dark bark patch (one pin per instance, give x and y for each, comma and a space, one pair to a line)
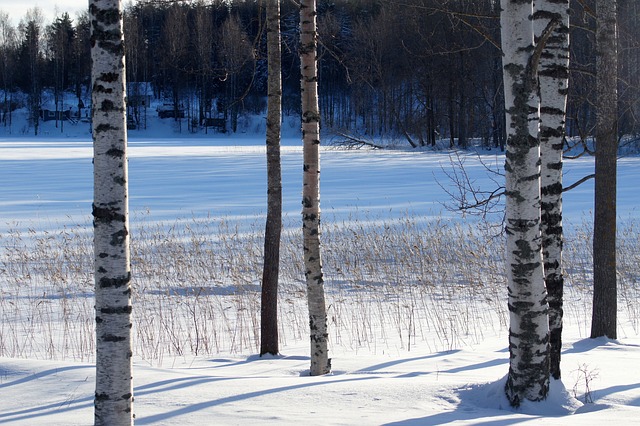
115, 153
115, 282
118, 310
99, 88
109, 77
113, 338
107, 215
104, 128
102, 397
553, 189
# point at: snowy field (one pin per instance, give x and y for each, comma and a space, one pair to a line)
417, 306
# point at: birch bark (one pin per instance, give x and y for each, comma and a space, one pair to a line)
320, 362
553, 76
114, 390
528, 377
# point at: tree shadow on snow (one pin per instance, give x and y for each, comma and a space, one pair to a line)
486, 404
588, 344
235, 398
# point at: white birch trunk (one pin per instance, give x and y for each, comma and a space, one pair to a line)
320, 362
528, 376
114, 390
553, 76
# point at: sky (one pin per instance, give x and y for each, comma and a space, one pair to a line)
18, 9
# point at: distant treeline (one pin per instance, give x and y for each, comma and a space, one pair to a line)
416, 69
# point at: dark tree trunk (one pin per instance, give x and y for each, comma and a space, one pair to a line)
273, 227
604, 316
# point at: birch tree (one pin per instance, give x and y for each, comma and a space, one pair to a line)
604, 315
553, 77
114, 390
273, 227
320, 362
528, 377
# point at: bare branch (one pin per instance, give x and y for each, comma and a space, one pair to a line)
465, 193
353, 142
578, 183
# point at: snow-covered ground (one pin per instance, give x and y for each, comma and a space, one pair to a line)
47, 186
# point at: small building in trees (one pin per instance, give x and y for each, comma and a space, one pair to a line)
139, 94
169, 110
50, 115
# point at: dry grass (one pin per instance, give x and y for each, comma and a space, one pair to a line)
391, 284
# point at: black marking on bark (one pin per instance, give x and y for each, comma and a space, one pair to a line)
515, 195
116, 282
531, 178
106, 215
525, 251
555, 166
101, 397
118, 310
309, 217
547, 133
113, 338
99, 88
310, 117
111, 41
551, 111
118, 238
557, 72
104, 128
107, 105
115, 152
553, 189
546, 15
307, 48
109, 77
